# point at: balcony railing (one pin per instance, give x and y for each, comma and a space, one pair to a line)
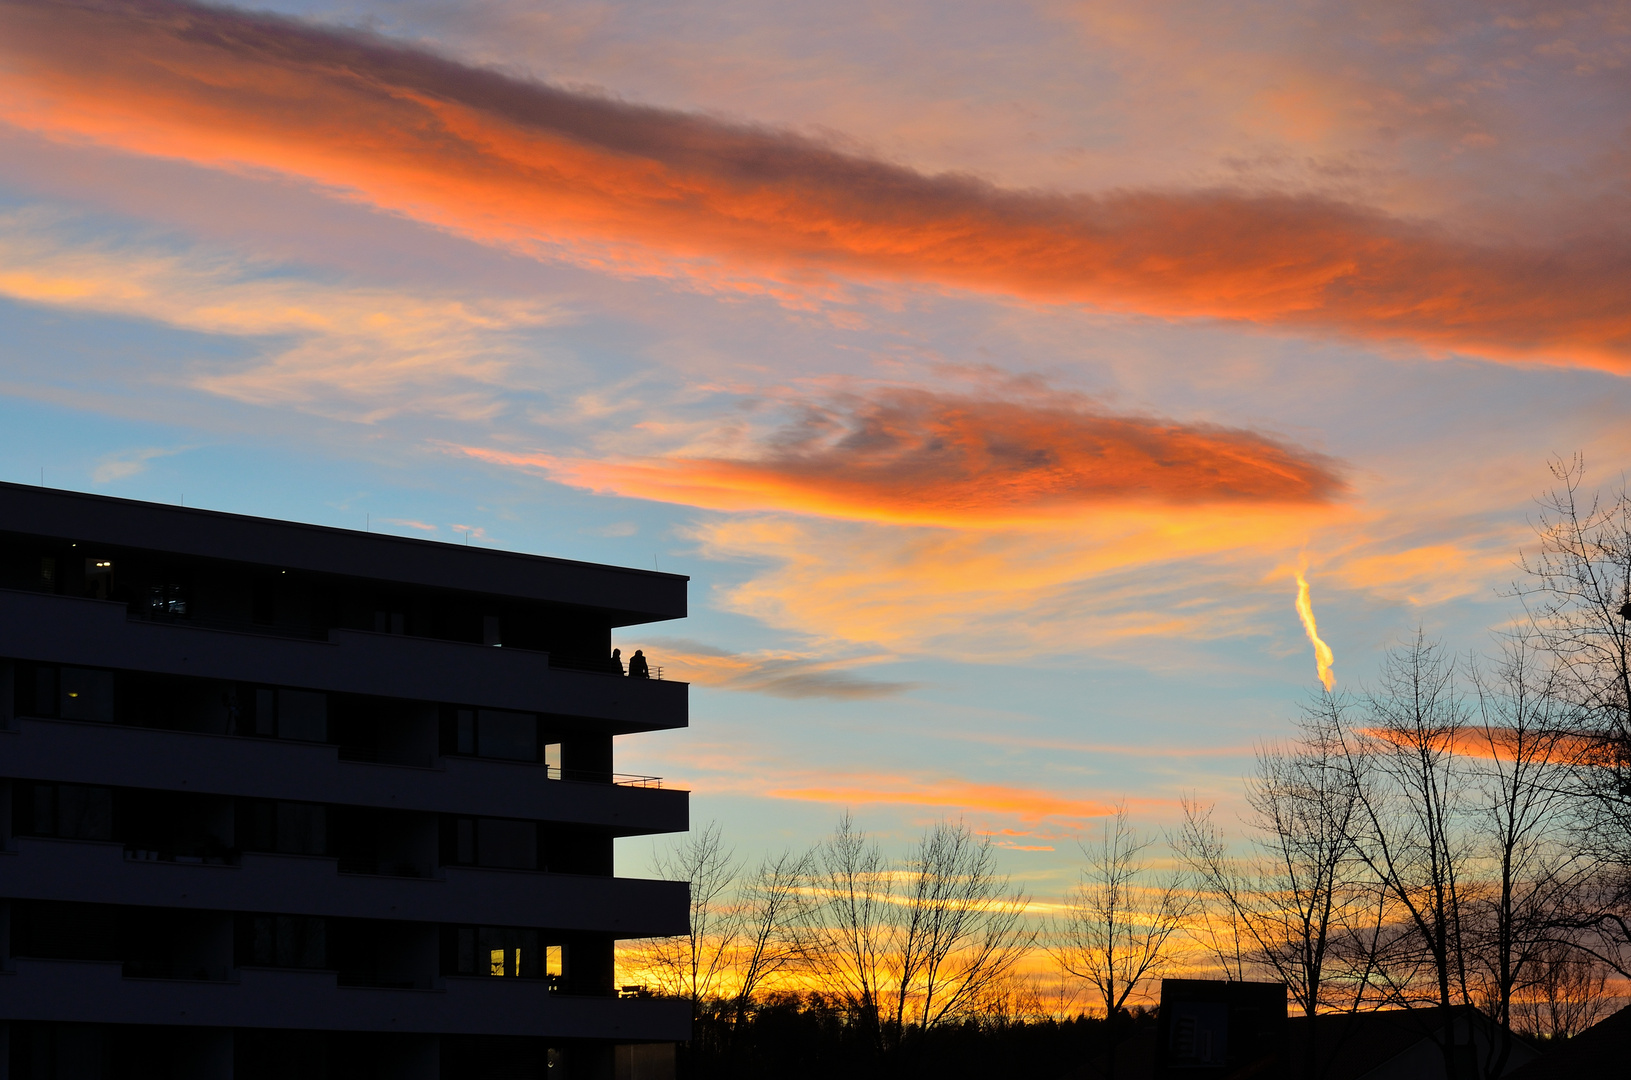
218, 858
597, 776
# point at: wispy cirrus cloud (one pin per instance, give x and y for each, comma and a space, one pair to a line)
409, 523
339, 348
914, 456
1135, 582
780, 674
644, 190
128, 463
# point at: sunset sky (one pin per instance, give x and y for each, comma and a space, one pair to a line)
993, 369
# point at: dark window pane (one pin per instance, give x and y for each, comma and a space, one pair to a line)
466, 853
311, 946
87, 694
526, 951
467, 731
286, 953
509, 735
265, 712
45, 691
45, 810
263, 941
84, 813
302, 714
258, 826
467, 951
509, 844
302, 828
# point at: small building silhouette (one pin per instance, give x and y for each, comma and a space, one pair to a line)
1210, 1029
1604, 1049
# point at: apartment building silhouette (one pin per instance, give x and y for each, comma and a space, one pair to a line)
291, 801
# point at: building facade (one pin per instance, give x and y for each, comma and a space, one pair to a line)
290, 801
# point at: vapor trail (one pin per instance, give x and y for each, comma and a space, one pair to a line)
1323, 657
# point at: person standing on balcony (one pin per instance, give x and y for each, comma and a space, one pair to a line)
617, 661
637, 666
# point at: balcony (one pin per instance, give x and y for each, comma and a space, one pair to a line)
97, 633
85, 752
98, 992
100, 872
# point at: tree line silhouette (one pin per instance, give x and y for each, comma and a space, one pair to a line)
1456, 833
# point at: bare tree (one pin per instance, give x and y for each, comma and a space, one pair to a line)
1521, 752
767, 910
1410, 787
1565, 997
694, 966
1289, 903
911, 946
962, 930
1576, 590
847, 923
1118, 924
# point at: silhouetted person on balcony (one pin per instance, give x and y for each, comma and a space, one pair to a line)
637, 666
617, 661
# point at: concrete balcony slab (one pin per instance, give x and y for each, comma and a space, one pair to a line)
97, 633
94, 992
86, 752
99, 872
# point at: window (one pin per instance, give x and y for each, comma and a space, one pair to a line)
286, 941
509, 735
302, 714
68, 811
552, 760
510, 844
99, 578
168, 601
85, 694
263, 600
289, 828
491, 733
506, 952
71, 693
67, 931
494, 842
291, 714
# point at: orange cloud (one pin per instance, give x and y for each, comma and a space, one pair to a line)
1501, 744
1027, 804
529, 166
917, 457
